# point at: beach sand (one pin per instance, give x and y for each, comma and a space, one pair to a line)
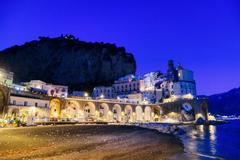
87, 142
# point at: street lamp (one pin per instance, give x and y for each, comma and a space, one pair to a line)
102, 96
85, 94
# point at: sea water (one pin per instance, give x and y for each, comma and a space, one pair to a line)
213, 141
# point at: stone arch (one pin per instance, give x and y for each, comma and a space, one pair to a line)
139, 114
2, 101
89, 111
157, 112
55, 108
71, 110
147, 114
13, 112
104, 111
128, 113
117, 113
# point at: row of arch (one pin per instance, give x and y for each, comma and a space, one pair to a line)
102, 112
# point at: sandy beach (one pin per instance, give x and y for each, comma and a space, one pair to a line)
87, 142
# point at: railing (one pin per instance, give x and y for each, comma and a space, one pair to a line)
22, 105
28, 94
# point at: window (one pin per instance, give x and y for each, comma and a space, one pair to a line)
14, 102
25, 103
36, 104
46, 105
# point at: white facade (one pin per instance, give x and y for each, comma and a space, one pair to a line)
150, 79
56, 90
35, 84
183, 88
19, 87
6, 78
52, 90
103, 92
134, 98
30, 102
126, 87
29, 110
185, 75
185, 85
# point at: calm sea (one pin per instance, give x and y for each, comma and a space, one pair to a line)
213, 142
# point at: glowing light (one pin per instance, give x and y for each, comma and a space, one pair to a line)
85, 94
179, 75
188, 96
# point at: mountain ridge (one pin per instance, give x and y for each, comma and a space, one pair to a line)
226, 103
65, 60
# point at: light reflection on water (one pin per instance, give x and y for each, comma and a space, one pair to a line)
200, 140
212, 142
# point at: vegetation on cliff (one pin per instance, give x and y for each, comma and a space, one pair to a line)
68, 61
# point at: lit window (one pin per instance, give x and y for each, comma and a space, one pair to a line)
179, 75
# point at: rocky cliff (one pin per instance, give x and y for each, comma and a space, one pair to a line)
66, 60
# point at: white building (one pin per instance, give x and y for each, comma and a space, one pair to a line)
176, 86
186, 83
51, 89
28, 109
35, 84
150, 79
56, 90
20, 101
128, 85
103, 92
6, 78
19, 87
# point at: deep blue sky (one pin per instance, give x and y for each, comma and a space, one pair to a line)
203, 35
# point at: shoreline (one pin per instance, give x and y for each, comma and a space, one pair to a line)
89, 142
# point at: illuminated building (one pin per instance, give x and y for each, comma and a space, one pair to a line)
6, 78
49, 89
178, 83
56, 90
103, 92
128, 84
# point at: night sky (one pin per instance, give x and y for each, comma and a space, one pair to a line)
203, 35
